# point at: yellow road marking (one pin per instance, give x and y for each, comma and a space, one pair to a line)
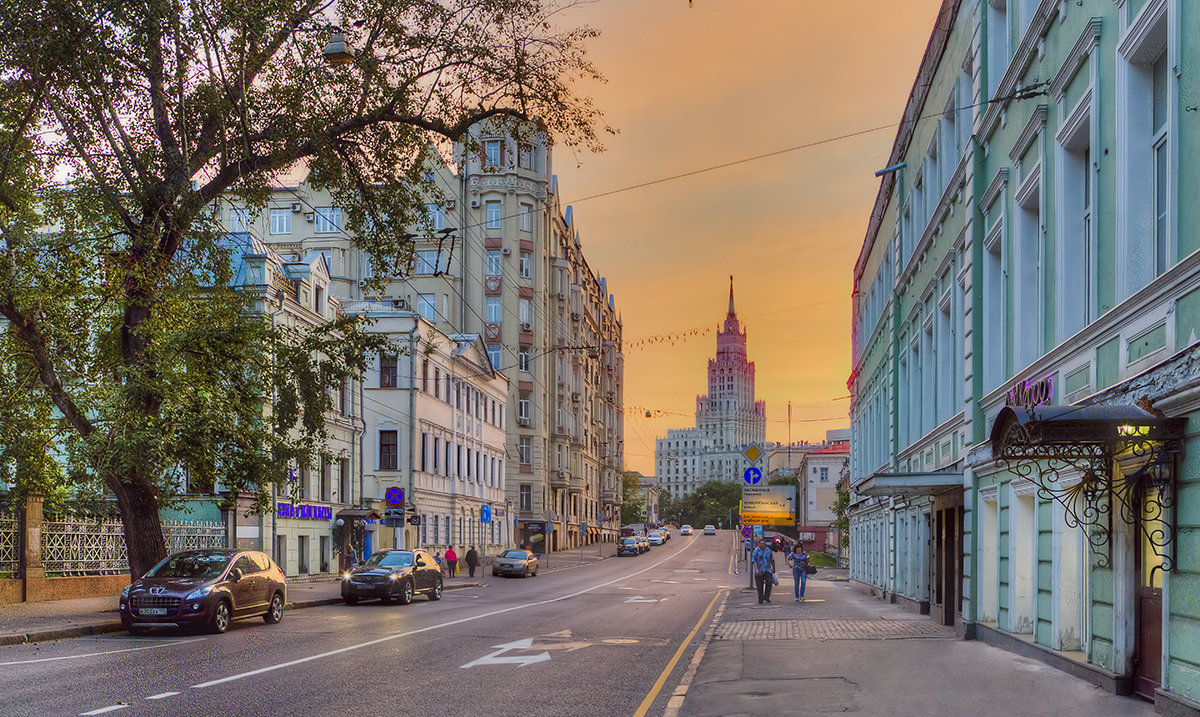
662, 679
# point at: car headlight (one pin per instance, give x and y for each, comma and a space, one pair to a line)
200, 592
345, 576
125, 591
393, 577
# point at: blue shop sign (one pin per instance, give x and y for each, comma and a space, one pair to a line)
304, 511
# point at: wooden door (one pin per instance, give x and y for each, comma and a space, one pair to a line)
1147, 657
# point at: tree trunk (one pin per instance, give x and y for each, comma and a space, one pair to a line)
144, 540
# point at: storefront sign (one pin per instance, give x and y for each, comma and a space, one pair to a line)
304, 511
1030, 393
768, 505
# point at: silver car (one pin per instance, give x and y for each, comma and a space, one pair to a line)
515, 562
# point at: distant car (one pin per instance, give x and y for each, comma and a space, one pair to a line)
643, 543
393, 575
779, 543
685, 530
205, 588
666, 533
516, 562
628, 546
710, 530
656, 539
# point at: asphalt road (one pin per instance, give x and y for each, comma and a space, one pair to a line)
592, 640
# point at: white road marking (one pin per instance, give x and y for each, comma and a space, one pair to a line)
369, 643
162, 695
97, 654
639, 598
518, 660
102, 710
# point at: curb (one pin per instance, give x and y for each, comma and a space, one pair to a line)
65, 633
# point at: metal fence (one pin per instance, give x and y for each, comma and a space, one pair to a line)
90, 547
10, 543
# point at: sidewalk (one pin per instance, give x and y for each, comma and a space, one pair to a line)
844, 651
62, 619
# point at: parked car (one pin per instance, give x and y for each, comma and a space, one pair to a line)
656, 538
393, 575
685, 530
628, 546
710, 530
666, 532
516, 562
205, 588
644, 543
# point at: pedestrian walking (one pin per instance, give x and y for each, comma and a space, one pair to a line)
798, 559
763, 561
472, 560
451, 561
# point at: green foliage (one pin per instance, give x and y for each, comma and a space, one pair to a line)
712, 501
126, 356
841, 520
632, 500
822, 560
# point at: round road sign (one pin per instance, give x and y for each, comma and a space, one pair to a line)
752, 475
747, 531
394, 495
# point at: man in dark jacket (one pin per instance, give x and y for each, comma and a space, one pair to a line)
472, 560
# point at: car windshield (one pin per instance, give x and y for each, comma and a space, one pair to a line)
628, 541
390, 559
202, 566
515, 554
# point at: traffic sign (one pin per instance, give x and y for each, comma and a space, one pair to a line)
394, 496
414, 520
747, 531
393, 513
752, 453
752, 475
485, 514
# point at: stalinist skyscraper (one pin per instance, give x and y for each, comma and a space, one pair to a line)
727, 420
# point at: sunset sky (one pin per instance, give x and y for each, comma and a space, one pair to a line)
722, 81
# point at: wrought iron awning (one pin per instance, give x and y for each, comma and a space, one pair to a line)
1069, 453
358, 514
909, 484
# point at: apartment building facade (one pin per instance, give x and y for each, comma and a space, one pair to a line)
498, 256
1050, 285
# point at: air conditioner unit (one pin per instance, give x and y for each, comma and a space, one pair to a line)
523, 421
562, 473
400, 303
506, 251
575, 315
296, 207
449, 203
310, 217
575, 396
474, 203
527, 326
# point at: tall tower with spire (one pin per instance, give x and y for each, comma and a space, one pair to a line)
728, 419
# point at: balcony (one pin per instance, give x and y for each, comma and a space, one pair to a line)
560, 479
576, 484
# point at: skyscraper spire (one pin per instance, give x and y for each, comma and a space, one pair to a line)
731, 311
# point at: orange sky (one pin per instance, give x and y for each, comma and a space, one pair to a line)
722, 81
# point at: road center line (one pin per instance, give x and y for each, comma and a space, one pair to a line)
161, 695
369, 643
658, 684
102, 710
97, 654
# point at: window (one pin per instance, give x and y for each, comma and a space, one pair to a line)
427, 261
328, 220
342, 396
493, 309
493, 215
344, 489
1027, 289
526, 314
281, 221
1161, 161
526, 217
493, 351
1075, 226
435, 216
491, 262
523, 358
437, 454
426, 307
387, 371
997, 43
319, 299
492, 156
993, 314
526, 497
523, 406
526, 265
525, 157
325, 485
525, 450
239, 220
424, 452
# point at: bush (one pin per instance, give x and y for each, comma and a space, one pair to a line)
822, 560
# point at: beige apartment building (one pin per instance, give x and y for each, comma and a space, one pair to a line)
499, 256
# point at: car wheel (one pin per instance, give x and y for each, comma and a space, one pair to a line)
275, 610
525, 572
436, 593
535, 572
220, 618
406, 593
350, 600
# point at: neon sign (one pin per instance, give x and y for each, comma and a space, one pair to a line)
1030, 393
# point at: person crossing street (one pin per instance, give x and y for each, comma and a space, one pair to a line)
763, 561
798, 559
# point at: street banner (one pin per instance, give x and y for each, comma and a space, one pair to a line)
768, 504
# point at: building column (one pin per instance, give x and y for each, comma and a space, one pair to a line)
33, 574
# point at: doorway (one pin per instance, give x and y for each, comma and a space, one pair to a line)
1147, 656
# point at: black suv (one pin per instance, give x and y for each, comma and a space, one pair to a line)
393, 575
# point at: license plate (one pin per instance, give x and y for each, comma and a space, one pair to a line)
153, 611
363, 586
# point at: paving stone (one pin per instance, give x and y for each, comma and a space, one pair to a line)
831, 630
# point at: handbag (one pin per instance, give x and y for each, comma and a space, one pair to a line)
810, 570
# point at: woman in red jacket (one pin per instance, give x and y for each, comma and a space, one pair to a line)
451, 561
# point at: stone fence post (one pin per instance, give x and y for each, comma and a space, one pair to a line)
33, 574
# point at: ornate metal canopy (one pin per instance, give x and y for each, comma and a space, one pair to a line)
1069, 453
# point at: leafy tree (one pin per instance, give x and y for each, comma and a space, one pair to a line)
841, 520
632, 500
127, 357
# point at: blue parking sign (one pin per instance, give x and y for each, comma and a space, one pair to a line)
485, 514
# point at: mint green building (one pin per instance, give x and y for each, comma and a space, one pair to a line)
1026, 380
